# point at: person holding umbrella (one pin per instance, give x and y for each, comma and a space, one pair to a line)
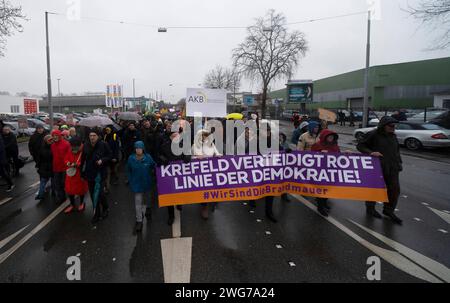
139, 172
94, 160
111, 139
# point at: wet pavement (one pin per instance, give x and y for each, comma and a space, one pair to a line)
235, 244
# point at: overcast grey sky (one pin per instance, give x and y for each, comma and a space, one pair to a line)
87, 54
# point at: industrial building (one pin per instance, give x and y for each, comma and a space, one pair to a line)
411, 85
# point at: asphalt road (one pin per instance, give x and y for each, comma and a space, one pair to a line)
234, 245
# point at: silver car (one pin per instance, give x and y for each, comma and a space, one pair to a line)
415, 135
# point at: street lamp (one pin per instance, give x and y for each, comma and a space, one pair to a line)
49, 79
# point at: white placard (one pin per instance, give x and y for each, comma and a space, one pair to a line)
211, 103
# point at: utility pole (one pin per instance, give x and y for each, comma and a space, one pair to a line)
59, 95
134, 93
49, 79
366, 77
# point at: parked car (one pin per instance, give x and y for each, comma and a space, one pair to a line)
443, 120
287, 114
432, 114
33, 123
415, 135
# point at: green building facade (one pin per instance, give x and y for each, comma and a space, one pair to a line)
410, 85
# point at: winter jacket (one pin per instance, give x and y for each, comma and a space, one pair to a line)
3, 160
324, 145
139, 173
11, 147
59, 151
92, 154
386, 144
44, 161
129, 138
35, 143
113, 142
165, 154
75, 185
205, 148
307, 140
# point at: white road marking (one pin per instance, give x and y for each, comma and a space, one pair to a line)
78, 254
176, 226
84, 242
292, 264
392, 257
40, 226
426, 204
34, 184
418, 219
252, 211
114, 259
177, 254
6, 200
443, 231
268, 232
432, 266
278, 246
446, 211
258, 220
8, 239
443, 215
404, 196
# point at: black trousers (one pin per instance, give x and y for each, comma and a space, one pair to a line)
392, 181
102, 204
268, 204
58, 181
321, 202
5, 174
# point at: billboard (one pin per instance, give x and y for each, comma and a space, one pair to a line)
113, 96
300, 91
211, 103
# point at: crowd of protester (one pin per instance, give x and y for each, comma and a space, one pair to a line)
72, 162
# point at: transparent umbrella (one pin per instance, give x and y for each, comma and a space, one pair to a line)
95, 121
130, 116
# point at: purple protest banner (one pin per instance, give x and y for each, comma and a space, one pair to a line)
232, 178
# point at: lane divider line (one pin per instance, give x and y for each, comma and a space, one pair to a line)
35, 230
392, 257
8, 239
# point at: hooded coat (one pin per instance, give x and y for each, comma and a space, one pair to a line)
35, 143
380, 141
75, 185
308, 139
44, 161
59, 151
324, 145
139, 172
205, 148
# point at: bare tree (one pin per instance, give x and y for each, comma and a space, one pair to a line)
221, 77
10, 17
437, 14
269, 52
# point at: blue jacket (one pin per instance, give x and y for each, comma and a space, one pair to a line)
140, 173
